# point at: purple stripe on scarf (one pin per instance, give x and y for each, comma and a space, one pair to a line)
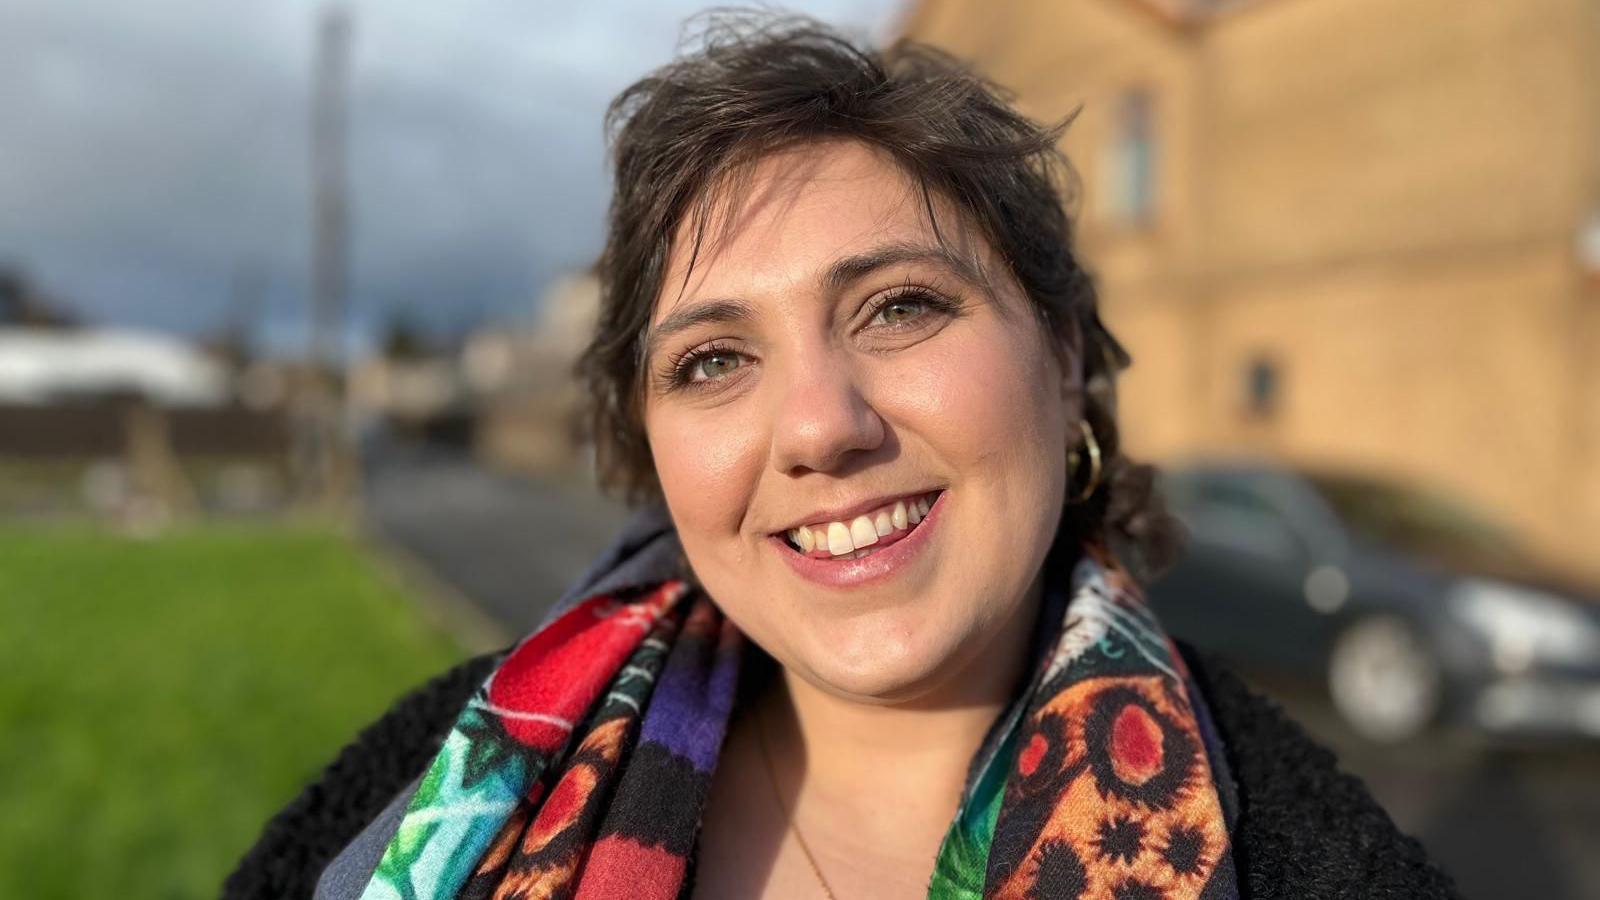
688, 712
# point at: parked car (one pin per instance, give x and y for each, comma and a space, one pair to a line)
1412, 609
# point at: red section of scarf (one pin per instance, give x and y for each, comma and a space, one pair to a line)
622, 867
1135, 746
547, 683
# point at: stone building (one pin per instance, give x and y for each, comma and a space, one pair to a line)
1357, 233
528, 396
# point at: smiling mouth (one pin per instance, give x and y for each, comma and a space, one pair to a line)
862, 535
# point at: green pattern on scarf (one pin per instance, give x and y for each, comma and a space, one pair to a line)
963, 858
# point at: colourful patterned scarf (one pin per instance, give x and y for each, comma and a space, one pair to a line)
580, 769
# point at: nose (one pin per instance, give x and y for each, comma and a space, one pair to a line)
822, 421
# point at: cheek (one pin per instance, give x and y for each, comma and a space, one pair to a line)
990, 398
708, 463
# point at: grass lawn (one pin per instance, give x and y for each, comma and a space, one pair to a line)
160, 698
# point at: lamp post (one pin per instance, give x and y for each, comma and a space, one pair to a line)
326, 466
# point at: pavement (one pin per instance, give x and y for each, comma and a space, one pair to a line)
1507, 823
508, 544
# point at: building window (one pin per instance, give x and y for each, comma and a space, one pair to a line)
1262, 386
1589, 243
1132, 166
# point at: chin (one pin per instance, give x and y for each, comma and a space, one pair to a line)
881, 662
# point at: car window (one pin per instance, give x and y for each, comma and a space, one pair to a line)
1231, 512
1234, 496
1417, 520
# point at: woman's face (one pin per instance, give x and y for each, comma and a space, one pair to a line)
828, 366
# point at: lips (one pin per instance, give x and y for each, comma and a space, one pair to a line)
882, 559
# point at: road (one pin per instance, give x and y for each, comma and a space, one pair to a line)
1508, 825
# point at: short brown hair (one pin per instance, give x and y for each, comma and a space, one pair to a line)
756, 83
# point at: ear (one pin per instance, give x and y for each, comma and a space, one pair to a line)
1071, 358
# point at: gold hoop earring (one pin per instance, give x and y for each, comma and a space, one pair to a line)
1073, 459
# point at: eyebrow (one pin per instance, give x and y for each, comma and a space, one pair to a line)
850, 269
713, 312
843, 273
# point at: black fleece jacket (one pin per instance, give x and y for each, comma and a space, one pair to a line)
1305, 829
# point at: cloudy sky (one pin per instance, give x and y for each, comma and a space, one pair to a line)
154, 154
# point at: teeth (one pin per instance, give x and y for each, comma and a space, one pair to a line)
850, 539
839, 539
862, 534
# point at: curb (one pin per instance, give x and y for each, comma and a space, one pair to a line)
441, 604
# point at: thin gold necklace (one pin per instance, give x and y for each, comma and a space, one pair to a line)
772, 775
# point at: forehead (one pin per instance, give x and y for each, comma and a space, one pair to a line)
782, 220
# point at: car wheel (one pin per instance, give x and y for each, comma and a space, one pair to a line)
1384, 680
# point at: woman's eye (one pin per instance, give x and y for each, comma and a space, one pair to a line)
714, 365
901, 310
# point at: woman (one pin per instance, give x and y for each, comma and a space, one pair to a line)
874, 632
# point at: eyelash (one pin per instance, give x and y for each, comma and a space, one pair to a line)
680, 368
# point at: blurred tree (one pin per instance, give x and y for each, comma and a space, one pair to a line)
20, 305
234, 341
404, 338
